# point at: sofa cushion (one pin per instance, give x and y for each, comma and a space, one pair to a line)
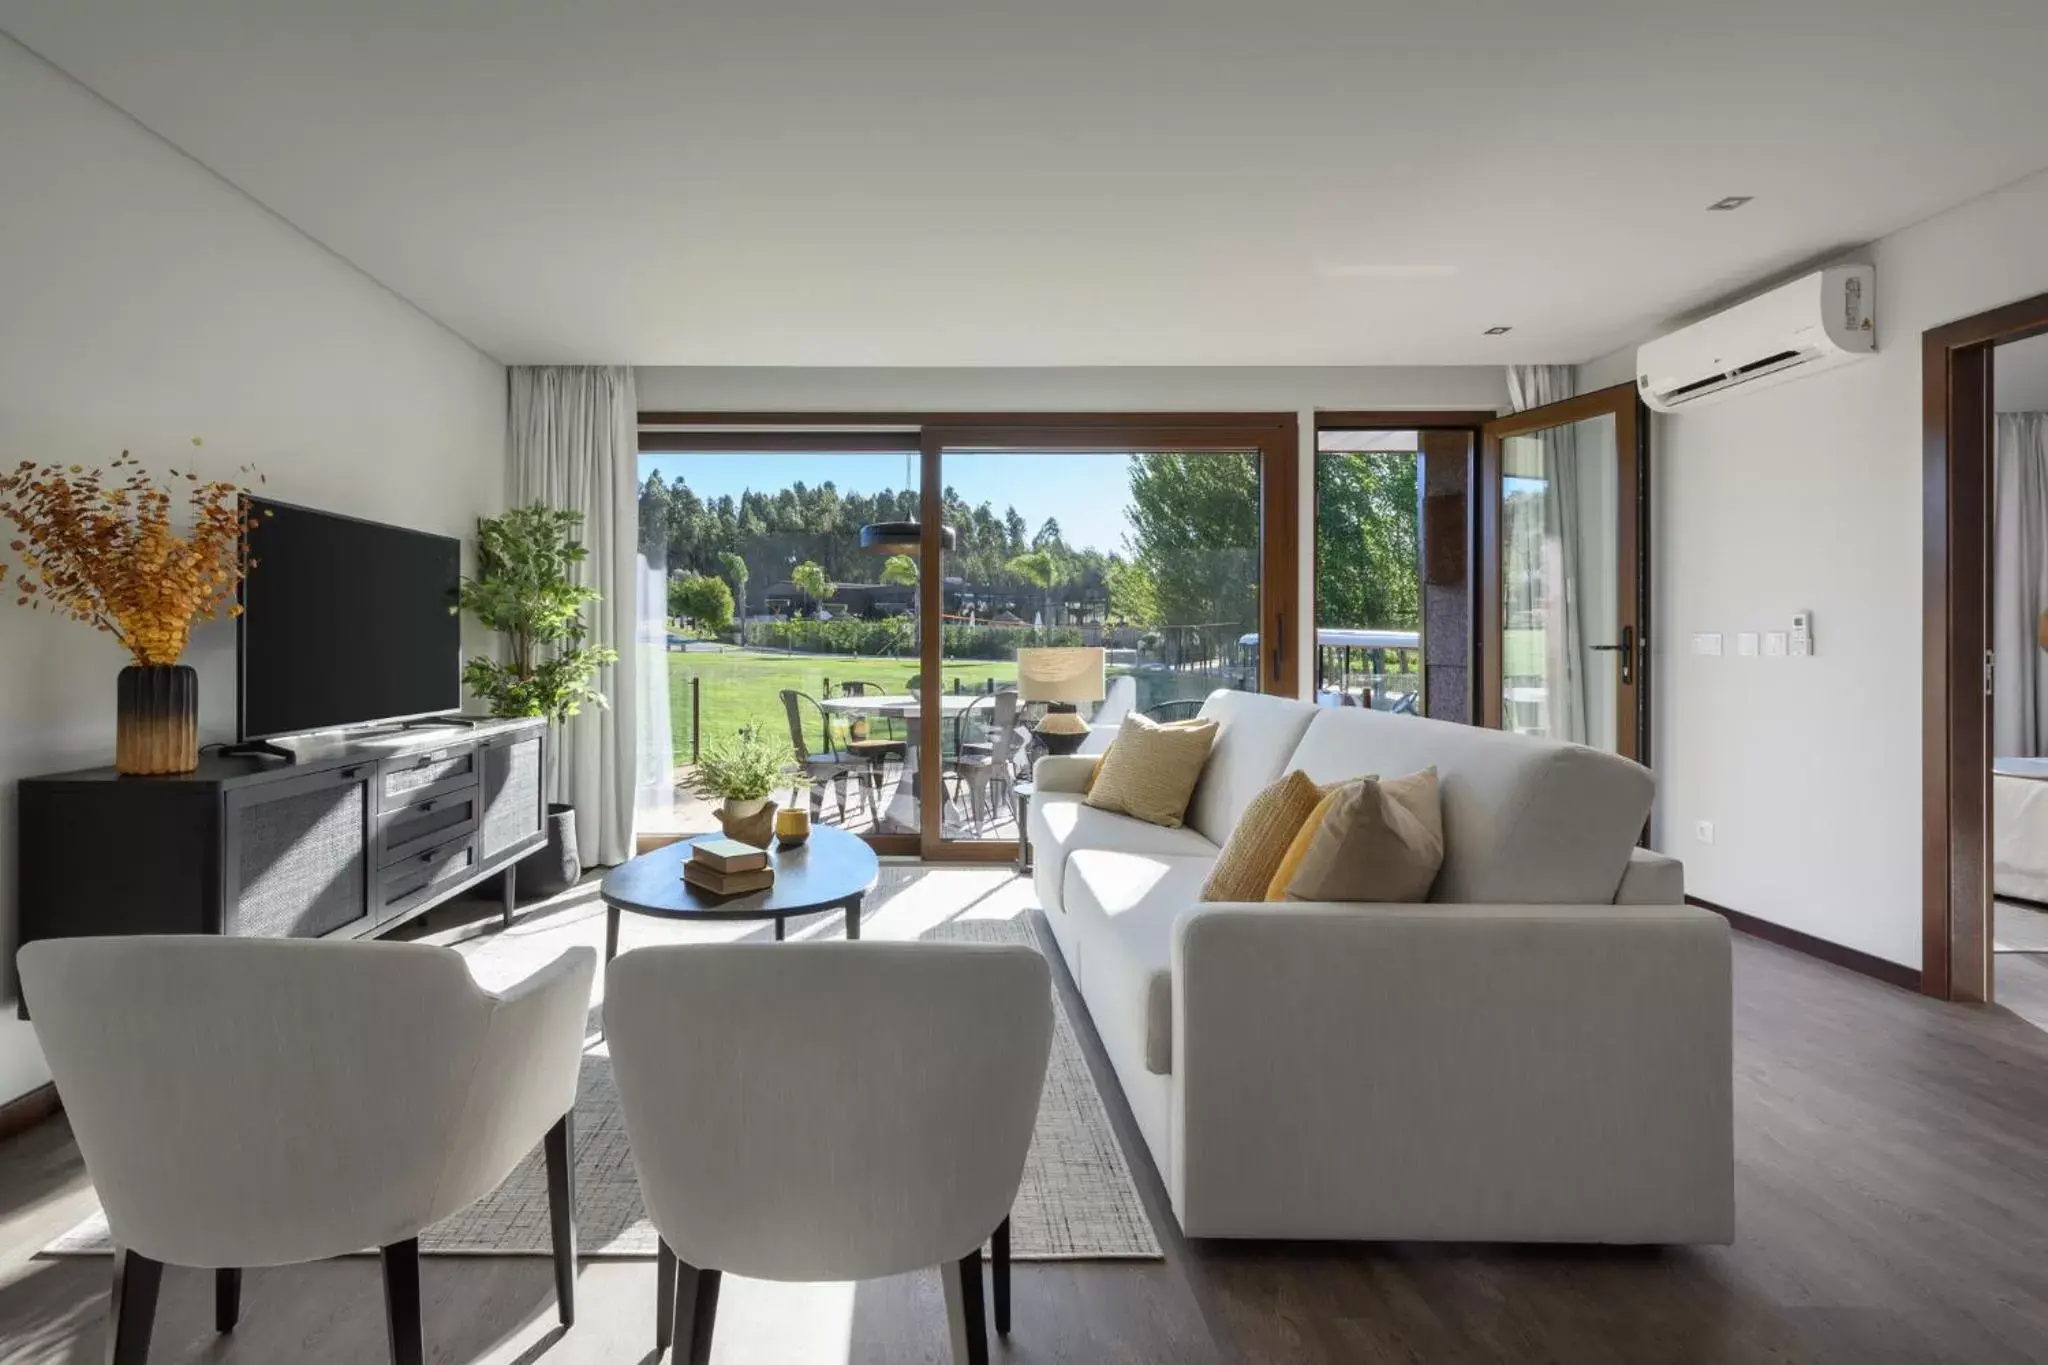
1526, 821
1061, 822
1262, 838
1381, 840
1123, 907
1256, 735
1150, 770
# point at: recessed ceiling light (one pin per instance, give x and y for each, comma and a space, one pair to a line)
1498, 331
1730, 204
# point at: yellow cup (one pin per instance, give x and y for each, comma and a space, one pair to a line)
792, 826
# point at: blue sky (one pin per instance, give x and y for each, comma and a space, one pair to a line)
1087, 493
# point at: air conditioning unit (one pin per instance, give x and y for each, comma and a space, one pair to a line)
1812, 324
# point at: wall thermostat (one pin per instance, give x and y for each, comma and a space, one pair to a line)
1802, 634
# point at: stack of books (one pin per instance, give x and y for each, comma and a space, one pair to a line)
727, 867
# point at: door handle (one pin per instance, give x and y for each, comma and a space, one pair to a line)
1627, 650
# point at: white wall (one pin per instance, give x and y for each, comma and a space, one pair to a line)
143, 301
1301, 390
1808, 496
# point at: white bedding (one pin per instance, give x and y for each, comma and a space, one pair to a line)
2019, 828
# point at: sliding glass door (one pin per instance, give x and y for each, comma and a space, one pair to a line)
1565, 617
866, 600
1099, 566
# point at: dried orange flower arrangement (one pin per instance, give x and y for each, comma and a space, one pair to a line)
100, 546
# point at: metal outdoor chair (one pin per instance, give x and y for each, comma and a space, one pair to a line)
982, 766
824, 763
1186, 708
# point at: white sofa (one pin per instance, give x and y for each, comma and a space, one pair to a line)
1541, 1054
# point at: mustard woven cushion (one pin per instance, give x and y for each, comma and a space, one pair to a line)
1377, 841
1150, 770
1263, 835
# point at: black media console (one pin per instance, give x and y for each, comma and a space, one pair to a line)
357, 835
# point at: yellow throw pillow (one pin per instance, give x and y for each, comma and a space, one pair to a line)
1283, 872
1096, 771
1263, 836
1150, 770
1378, 841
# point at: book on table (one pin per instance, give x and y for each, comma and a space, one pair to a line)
706, 878
727, 855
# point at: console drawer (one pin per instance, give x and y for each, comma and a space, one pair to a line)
411, 778
425, 825
403, 884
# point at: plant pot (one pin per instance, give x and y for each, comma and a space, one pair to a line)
750, 822
156, 719
552, 870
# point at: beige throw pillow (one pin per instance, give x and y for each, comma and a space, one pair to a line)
1263, 835
1150, 770
1378, 841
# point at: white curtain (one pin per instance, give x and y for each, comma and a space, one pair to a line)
2019, 584
1534, 386
575, 444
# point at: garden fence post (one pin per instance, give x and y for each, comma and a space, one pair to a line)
696, 713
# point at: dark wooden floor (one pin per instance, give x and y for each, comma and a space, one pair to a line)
1892, 1206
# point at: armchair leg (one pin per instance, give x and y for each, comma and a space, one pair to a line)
965, 1311
664, 1297
136, 1282
999, 1275
402, 1302
227, 1298
697, 1310
561, 1162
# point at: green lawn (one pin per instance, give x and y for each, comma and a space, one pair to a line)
740, 687
1522, 653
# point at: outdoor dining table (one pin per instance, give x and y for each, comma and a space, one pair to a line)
906, 707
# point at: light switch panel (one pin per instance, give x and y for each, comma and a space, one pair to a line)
1774, 644
1706, 643
1745, 643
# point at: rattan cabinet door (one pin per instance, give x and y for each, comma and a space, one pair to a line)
297, 859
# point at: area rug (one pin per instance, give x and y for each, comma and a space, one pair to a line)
1077, 1202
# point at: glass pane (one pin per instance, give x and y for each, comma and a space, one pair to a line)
777, 621
1560, 511
1152, 558
1368, 570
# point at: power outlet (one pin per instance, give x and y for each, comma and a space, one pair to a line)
1704, 831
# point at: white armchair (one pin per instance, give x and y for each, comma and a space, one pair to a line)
829, 1111
265, 1102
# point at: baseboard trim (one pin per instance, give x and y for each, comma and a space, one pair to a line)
24, 1112
1835, 954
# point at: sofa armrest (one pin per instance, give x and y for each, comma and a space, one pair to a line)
1062, 772
1651, 879
1493, 1072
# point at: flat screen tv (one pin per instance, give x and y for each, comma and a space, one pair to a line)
344, 622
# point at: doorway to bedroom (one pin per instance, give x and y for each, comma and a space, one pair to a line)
2019, 694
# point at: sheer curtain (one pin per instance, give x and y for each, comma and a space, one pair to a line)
575, 444
1533, 386
2019, 585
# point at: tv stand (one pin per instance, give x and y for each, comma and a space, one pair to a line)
258, 748
430, 722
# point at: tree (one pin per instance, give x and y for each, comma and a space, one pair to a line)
1368, 527
734, 566
1133, 596
1042, 569
900, 572
810, 580
1195, 532
702, 600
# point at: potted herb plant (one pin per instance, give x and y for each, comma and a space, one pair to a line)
742, 773
524, 589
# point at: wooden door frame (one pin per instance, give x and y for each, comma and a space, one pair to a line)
1958, 413
1273, 437
1631, 434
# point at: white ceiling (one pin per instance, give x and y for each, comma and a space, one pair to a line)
1073, 182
